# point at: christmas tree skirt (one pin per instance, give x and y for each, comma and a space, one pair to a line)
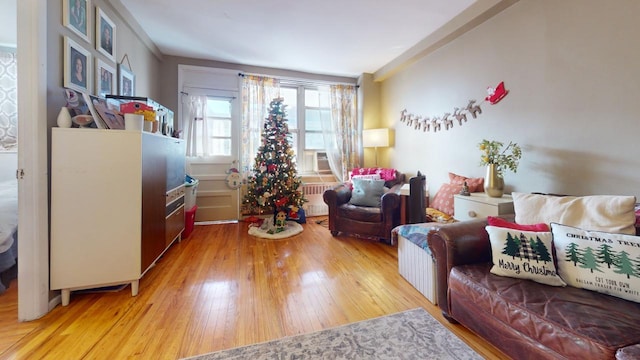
292, 228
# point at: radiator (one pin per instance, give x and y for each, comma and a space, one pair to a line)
417, 267
313, 193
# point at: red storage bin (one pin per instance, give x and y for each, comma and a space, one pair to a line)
189, 221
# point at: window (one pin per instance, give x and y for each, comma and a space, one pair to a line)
218, 128
307, 108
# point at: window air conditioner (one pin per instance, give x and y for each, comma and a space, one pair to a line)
317, 162
321, 163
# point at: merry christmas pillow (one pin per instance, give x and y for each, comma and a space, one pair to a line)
523, 255
599, 261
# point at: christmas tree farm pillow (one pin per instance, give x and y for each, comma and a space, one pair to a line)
604, 262
523, 254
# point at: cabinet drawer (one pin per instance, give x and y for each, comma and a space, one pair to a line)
174, 225
479, 207
469, 210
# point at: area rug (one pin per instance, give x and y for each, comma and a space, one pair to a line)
411, 334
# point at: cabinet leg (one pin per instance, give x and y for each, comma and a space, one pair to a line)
66, 296
134, 287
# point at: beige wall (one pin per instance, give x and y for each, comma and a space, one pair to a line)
572, 70
369, 114
144, 64
169, 71
156, 75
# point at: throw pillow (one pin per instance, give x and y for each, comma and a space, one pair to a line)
500, 222
599, 212
474, 184
523, 255
385, 174
599, 261
443, 200
368, 176
367, 192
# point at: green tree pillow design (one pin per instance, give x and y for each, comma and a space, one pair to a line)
523, 254
599, 261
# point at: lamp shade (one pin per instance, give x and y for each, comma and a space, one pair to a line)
375, 138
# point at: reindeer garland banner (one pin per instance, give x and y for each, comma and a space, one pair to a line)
436, 123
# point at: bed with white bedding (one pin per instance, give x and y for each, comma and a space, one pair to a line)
8, 232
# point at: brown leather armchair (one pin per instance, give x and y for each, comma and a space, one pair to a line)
365, 221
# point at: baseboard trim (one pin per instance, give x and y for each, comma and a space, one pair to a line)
55, 301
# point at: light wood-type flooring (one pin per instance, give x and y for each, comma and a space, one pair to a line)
222, 288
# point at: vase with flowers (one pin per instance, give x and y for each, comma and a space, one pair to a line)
497, 159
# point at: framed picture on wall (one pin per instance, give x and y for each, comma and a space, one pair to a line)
77, 66
105, 79
126, 81
105, 35
75, 17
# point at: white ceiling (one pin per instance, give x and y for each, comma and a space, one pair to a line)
331, 37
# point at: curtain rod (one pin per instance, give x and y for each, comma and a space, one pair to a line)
299, 81
208, 95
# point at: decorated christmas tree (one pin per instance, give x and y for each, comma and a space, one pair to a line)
274, 187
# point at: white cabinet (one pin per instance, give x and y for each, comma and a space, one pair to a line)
480, 205
109, 206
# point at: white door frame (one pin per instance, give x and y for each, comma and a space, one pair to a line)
213, 82
33, 202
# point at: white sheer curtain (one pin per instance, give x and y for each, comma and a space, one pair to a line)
340, 131
196, 131
257, 93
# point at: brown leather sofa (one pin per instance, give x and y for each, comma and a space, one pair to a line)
525, 319
366, 221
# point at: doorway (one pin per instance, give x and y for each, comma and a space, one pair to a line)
216, 197
214, 162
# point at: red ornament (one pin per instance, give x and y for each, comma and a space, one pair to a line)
271, 168
280, 202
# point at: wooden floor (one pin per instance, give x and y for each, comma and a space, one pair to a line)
222, 288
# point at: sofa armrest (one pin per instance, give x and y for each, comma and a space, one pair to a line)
391, 199
454, 244
338, 195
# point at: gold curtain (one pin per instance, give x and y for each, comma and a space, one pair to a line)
345, 155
